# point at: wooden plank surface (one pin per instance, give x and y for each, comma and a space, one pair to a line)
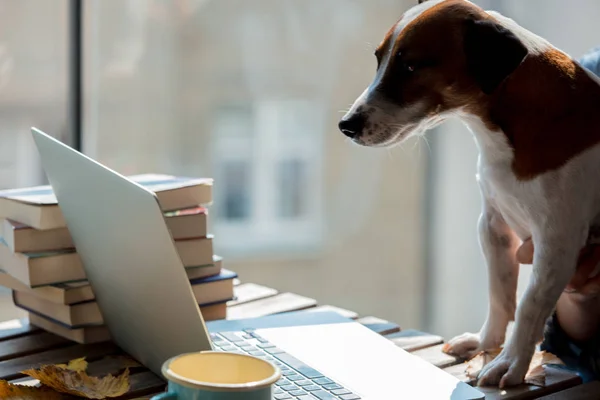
281, 303
379, 325
248, 292
556, 380
587, 391
412, 340
429, 347
33, 343
436, 356
16, 328
23, 346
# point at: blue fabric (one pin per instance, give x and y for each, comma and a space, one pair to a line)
580, 357
591, 61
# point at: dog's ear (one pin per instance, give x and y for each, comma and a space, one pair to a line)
492, 51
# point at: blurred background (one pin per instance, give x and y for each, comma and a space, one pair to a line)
250, 93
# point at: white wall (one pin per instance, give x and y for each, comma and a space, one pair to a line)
458, 277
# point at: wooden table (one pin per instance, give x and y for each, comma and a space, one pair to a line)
23, 346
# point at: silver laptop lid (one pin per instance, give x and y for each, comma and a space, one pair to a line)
128, 255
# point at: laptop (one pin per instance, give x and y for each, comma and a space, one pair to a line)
148, 306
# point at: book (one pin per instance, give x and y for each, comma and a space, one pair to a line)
195, 252
207, 291
38, 208
46, 268
79, 292
20, 238
92, 334
100, 333
215, 288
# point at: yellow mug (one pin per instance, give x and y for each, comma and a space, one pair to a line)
217, 375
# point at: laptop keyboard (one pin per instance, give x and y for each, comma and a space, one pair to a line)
299, 381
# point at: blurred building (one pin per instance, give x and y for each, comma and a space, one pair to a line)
250, 93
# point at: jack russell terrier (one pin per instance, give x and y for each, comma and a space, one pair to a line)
535, 116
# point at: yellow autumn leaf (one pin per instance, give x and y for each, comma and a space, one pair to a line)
77, 365
79, 383
9, 391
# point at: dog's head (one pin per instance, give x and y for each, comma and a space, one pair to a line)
443, 55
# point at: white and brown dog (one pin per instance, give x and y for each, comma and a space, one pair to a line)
535, 115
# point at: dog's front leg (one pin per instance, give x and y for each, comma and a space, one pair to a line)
554, 263
498, 243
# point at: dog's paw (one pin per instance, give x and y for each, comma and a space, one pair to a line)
504, 371
464, 346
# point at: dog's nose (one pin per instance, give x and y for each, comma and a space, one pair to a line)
353, 126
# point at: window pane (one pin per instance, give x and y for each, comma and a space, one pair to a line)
235, 200
298, 118
292, 188
234, 121
33, 84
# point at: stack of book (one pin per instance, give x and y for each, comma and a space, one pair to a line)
39, 262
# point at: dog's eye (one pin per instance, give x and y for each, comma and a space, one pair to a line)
406, 66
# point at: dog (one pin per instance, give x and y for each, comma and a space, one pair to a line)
533, 112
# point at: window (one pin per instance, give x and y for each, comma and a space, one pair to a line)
33, 84
267, 155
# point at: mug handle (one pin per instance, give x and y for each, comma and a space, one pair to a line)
165, 396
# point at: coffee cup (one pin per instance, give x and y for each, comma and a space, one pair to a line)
216, 375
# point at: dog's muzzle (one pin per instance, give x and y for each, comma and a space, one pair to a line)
353, 125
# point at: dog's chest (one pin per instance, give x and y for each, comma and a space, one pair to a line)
515, 200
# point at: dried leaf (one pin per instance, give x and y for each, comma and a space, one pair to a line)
9, 391
65, 381
78, 383
77, 365
536, 375
476, 364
